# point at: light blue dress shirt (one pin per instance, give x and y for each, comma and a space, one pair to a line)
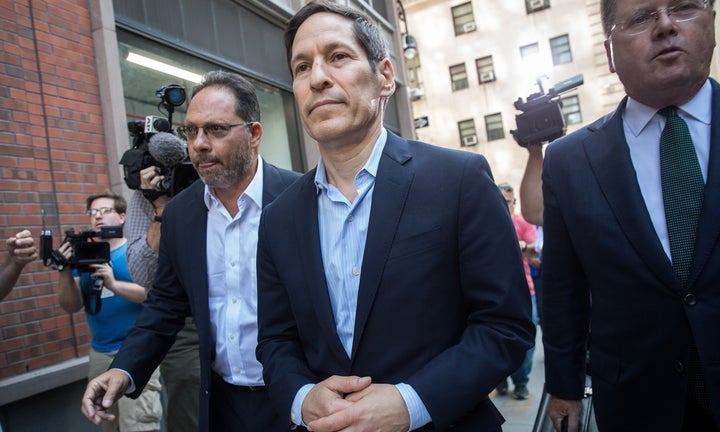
643, 127
343, 229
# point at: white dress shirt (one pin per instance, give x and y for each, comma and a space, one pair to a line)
232, 283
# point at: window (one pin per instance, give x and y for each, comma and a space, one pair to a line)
485, 69
494, 127
415, 79
571, 110
536, 5
468, 134
140, 84
463, 19
529, 50
560, 47
458, 76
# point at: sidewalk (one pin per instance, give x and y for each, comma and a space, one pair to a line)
520, 415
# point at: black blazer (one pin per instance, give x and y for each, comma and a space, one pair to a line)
181, 288
600, 243
443, 304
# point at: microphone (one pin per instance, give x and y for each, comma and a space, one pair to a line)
167, 149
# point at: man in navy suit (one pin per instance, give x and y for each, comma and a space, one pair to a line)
613, 270
206, 267
391, 294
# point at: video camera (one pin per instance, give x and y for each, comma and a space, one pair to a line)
542, 119
86, 251
154, 144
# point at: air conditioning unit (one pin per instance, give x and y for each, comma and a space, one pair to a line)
470, 140
416, 93
469, 27
487, 76
536, 4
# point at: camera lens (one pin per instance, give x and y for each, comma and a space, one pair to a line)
172, 94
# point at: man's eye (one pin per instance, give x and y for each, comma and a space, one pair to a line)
215, 128
640, 18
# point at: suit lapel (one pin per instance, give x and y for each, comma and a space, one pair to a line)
196, 212
708, 226
308, 236
271, 180
389, 195
609, 158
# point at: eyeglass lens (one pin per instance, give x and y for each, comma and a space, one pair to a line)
102, 210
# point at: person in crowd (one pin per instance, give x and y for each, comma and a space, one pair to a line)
631, 251
111, 311
21, 251
391, 294
526, 241
180, 370
206, 267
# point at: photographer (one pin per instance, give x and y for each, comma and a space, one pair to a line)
120, 299
180, 369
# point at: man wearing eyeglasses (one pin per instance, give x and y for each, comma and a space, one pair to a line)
631, 220
206, 267
109, 324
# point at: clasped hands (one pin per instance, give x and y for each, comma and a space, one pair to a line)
354, 404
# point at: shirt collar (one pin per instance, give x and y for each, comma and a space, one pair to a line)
254, 190
638, 115
371, 165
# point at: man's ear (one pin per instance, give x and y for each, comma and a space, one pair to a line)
609, 54
256, 131
385, 68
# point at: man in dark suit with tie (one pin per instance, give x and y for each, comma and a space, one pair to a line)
391, 294
206, 267
632, 222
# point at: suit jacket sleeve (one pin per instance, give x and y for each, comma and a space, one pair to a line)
566, 297
163, 312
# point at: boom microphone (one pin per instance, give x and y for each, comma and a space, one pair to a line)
167, 149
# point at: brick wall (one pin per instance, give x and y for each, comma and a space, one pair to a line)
52, 155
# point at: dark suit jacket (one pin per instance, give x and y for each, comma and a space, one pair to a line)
443, 304
181, 288
600, 243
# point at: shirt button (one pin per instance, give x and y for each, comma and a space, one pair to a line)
350, 218
678, 366
234, 300
690, 299
355, 271
232, 337
232, 264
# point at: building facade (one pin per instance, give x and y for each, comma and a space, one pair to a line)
76, 76
482, 55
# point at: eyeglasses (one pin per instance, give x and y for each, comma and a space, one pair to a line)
102, 211
643, 20
214, 130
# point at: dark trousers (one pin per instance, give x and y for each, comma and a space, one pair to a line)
243, 409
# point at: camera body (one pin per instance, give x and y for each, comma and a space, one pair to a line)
85, 251
542, 119
177, 176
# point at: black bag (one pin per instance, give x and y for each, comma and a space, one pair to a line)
543, 423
